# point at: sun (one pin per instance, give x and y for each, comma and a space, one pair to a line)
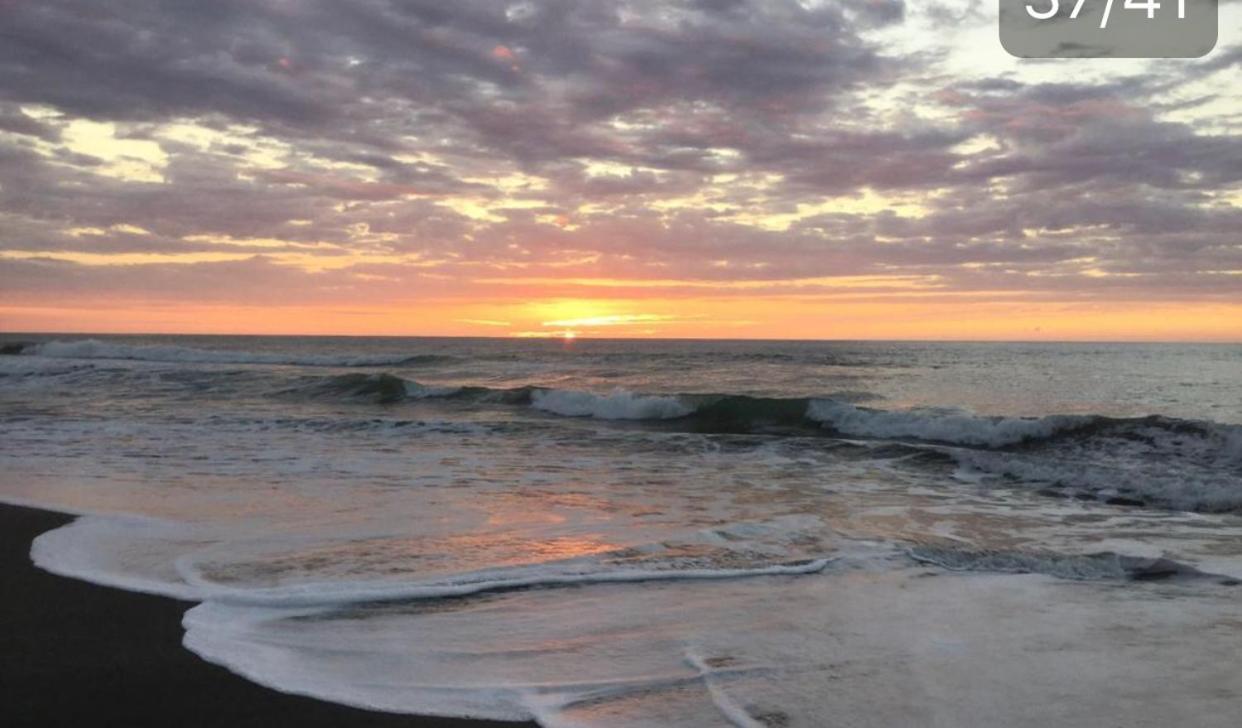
569, 335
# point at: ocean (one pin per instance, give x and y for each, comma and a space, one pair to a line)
661, 533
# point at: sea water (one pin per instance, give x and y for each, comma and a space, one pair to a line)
661, 533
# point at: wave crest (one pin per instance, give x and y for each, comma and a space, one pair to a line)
936, 426
620, 404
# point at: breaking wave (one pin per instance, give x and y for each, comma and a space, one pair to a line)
732, 413
1151, 461
939, 426
619, 405
1155, 461
377, 388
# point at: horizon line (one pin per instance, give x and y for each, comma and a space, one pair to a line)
580, 337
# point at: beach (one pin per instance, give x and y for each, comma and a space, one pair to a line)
76, 654
639, 364
619, 534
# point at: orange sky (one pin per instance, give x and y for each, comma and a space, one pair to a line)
759, 318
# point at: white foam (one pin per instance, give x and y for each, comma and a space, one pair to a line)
242, 640
125, 552
320, 594
620, 404
961, 429
867, 650
734, 713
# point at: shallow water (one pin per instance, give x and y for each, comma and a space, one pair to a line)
661, 533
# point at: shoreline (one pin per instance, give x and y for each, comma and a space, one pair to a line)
78, 654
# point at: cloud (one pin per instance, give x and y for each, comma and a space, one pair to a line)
387, 149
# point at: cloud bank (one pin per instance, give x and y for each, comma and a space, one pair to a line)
403, 152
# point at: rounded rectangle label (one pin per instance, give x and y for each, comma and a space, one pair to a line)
1108, 28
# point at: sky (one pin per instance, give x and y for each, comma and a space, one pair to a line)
704, 168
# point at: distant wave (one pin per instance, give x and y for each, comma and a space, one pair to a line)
101, 349
96, 349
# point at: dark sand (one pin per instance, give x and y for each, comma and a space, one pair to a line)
76, 654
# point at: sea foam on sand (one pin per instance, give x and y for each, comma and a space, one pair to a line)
862, 643
868, 649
